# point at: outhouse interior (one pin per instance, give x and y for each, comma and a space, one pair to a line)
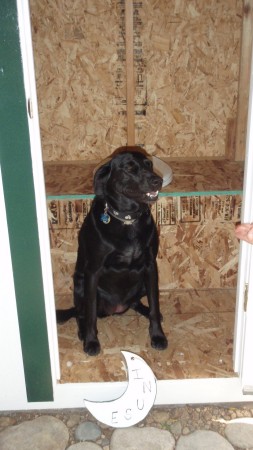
191, 62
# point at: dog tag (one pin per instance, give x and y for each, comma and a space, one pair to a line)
105, 218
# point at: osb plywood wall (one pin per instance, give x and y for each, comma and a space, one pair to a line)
186, 67
197, 250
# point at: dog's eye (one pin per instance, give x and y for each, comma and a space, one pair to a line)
148, 163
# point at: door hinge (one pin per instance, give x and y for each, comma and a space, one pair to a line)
30, 108
246, 297
247, 390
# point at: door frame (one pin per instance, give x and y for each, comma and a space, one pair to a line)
72, 395
243, 325
20, 212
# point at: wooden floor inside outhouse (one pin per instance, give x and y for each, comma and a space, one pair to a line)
197, 263
199, 325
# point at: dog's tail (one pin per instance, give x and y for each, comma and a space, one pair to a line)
63, 315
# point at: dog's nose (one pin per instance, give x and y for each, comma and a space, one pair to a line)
156, 182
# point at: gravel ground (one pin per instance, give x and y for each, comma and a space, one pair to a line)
178, 420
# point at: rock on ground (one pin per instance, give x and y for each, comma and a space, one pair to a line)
240, 435
203, 440
147, 438
85, 446
87, 431
42, 433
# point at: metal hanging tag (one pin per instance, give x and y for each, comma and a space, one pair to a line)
105, 218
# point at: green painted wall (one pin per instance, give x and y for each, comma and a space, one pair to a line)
16, 166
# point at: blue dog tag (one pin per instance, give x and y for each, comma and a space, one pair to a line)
105, 218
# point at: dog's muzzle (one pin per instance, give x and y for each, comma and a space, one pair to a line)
152, 195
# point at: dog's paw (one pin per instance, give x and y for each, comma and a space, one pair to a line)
159, 342
92, 348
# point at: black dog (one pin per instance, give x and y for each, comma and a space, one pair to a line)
118, 244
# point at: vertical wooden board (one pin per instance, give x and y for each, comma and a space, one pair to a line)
230, 144
130, 84
244, 79
80, 77
190, 64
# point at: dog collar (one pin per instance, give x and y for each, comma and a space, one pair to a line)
127, 219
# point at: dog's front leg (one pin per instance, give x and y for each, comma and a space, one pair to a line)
158, 338
86, 304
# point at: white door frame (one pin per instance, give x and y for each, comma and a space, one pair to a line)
220, 390
247, 365
243, 326
39, 182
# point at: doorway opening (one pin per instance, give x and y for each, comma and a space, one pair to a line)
186, 113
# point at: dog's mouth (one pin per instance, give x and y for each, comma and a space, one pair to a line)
152, 195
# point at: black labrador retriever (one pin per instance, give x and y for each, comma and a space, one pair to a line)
118, 244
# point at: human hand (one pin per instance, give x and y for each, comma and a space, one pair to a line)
244, 231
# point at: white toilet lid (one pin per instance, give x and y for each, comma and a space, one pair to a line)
162, 169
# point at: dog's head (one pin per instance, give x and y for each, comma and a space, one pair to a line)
128, 174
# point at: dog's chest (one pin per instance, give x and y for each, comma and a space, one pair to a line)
128, 251
128, 254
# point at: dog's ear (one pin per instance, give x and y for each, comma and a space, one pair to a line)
100, 178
